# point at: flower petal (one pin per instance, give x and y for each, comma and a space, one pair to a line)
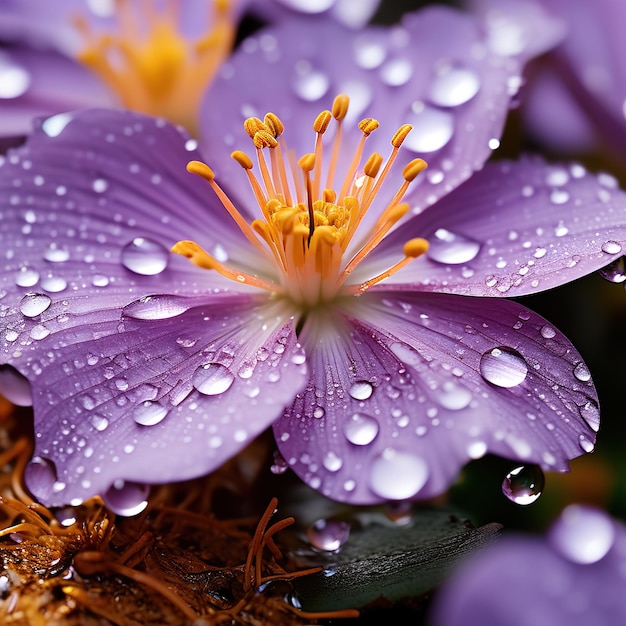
515, 228
127, 397
418, 384
91, 206
449, 87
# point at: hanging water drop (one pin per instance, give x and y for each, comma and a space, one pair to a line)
279, 466
503, 367
397, 475
145, 256
212, 379
615, 272
328, 535
590, 412
524, 484
450, 248
360, 429
34, 304
14, 386
126, 498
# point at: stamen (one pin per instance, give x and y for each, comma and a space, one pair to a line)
339, 112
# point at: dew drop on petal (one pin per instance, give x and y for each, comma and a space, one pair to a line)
615, 272
396, 72
311, 85
524, 484
279, 466
591, 414
212, 379
54, 284
450, 248
155, 307
328, 535
611, 247
53, 126
14, 80
126, 498
453, 396
454, 85
582, 534
586, 445
361, 390
14, 386
432, 128
34, 304
369, 54
547, 332
332, 462
54, 254
149, 413
397, 475
99, 422
144, 256
26, 277
40, 474
360, 429
503, 367
581, 371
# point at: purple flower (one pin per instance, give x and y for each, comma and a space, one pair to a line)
157, 58
354, 337
575, 95
574, 576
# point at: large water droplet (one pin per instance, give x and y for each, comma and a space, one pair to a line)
451, 248
145, 256
590, 412
34, 304
611, 247
432, 128
156, 307
99, 422
582, 534
212, 379
15, 387
503, 367
14, 80
54, 254
361, 390
453, 396
126, 498
397, 475
149, 413
524, 484
453, 86
328, 535
26, 277
615, 272
54, 125
332, 462
40, 475
360, 429
581, 371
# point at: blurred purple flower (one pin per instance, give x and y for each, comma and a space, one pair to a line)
157, 58
574, 576
575, 98
381, 380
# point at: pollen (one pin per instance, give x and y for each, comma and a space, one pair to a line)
152, 66
311, 231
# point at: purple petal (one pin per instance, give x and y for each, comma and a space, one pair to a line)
514, 228
528, 580
415, 385
450, 88
91, 206
152, 400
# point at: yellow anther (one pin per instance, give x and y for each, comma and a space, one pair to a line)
192, 251
415, 247
200, 169
307, 162
397, 212
340, 106
372, 165
329, 195
253, 125
242, 158
321, 122
413, 168
368, 126
264, 139
274, 123
400, 135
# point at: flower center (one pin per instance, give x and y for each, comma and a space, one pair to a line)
306, 225
151, 65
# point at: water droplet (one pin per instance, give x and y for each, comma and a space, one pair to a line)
453, 86
503, 367
360, 429
585, 444
581, 371
582, 534
524, 484
54, 284
145, 256
369, 54
14, 386
611, 247
54, 254
14, 80
40, 474
156, 307
310, 84
99, 422
396, 72
149, 413
126, 498
432, 128
397, 475
332, 462
34, 304
328, 535
212, 379
453, 396
450, 248
590, 412
615, 272
361, 390
54, 125
26, 277
100, 185
547, 332
279, 466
